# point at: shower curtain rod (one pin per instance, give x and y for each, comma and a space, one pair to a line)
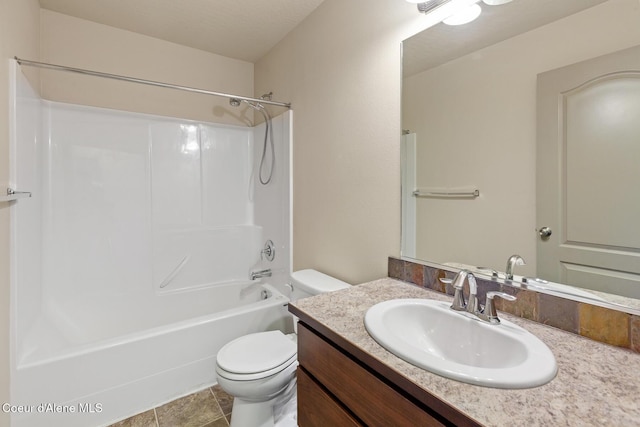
145, 82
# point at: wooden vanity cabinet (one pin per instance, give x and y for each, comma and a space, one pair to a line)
338, 388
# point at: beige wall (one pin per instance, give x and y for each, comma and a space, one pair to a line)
475, 120
18, 37
84, 44
341, 70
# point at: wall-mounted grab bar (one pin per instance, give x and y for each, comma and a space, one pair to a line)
14, 195
447, 194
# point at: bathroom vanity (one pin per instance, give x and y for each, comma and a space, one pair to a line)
336, 389
345, 378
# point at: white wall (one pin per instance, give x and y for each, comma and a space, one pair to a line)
475, 121
340, 68
19, 35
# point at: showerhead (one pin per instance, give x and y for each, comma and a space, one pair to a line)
235, 102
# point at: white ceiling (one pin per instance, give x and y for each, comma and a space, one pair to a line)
241, 29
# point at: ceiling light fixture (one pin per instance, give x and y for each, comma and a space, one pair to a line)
464, 16
495, 2
460, 12
428, 6
451, 12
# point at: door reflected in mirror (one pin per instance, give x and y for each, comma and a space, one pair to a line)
470, 101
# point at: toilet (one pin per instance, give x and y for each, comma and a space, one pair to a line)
259, 369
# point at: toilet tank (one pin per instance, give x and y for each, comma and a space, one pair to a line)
309, 282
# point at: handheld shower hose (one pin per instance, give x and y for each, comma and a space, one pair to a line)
268, 137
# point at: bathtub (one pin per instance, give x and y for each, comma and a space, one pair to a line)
74, 378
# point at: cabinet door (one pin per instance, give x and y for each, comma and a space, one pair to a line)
369, 398
318, 409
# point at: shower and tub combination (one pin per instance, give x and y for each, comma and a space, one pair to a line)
148, 243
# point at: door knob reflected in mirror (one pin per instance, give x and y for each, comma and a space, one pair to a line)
545, 232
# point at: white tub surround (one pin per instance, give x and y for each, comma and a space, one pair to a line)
131, 261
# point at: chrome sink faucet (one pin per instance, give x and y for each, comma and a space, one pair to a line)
512, 262
489, 313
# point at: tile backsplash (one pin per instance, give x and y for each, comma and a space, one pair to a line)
591, 321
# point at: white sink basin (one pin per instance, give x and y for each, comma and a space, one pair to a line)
428, 334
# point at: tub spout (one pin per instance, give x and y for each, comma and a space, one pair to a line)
261, 273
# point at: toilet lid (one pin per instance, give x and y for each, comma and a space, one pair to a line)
257, 352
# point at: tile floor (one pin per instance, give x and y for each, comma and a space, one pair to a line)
210, 407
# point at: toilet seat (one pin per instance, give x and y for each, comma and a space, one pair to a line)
256, 356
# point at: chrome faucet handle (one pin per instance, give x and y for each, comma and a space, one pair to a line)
534, 279
490, 314
459, 303
269, 251
473, 307
493, 272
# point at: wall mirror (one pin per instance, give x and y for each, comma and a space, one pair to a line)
473, 172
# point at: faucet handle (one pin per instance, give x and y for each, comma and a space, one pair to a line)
459, 304
493, 272
490, 313
473, 306
534, 279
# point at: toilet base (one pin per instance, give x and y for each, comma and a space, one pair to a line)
258, 414
281, 411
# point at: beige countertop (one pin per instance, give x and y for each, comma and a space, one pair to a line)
596, 384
